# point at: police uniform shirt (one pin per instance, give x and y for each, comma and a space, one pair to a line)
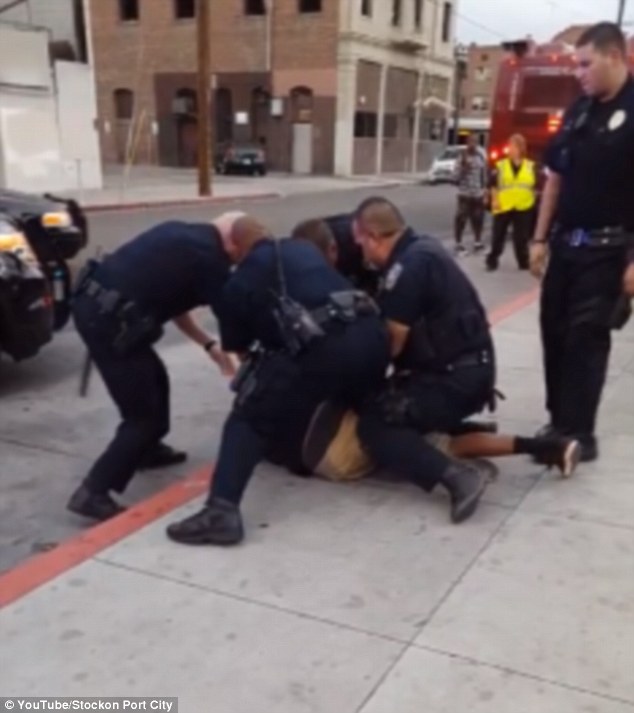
421, 280
170, 269
594, 154
246, 313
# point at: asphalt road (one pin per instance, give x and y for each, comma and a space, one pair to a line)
48, 436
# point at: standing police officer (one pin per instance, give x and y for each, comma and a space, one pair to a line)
586, 226
321, 339
443, 356
120, 307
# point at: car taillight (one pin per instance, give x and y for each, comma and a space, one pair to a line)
554, 123
495, 155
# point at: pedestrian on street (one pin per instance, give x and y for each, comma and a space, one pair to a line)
472, 190
585, 235
321, 340
120, 307
513, 198
444, 362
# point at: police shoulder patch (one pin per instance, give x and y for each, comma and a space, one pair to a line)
392, 276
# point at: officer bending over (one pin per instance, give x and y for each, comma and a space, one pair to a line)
321, 339
586, 227
443, 356
120, 307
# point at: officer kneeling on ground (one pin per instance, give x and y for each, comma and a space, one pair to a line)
443, 355
120, 307
321, 340
586, 228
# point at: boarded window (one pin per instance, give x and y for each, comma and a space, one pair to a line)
310, 5
184, 9
365, 125
254, 7
128, 10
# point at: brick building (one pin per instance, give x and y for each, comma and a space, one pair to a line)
351, 86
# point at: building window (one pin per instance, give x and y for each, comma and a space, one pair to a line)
184, 9
254, 7
446, 22
418, 14
366, 8
365, 125
128, 10
480, 104
397, 12
484, 58
390, 126
123, 103
310, 5
483, 74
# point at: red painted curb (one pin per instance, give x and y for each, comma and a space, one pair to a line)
37, 571
185, 202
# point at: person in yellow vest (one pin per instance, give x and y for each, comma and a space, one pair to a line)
513, 199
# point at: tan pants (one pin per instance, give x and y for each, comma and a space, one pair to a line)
342, 457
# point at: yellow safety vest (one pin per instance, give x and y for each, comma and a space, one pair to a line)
515, 192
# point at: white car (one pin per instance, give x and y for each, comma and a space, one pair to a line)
444, 168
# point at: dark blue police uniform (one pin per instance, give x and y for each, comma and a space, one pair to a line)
350, 359
350, 260
162, 274
590, 239
446, 371
347, 360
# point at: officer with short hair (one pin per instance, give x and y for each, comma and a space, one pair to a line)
321, 339
120, 307
443, 355
586, 228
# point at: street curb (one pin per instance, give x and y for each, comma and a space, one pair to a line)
40, 569
189, 202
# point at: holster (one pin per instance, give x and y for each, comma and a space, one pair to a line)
134, 329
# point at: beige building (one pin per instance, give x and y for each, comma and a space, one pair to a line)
345, 86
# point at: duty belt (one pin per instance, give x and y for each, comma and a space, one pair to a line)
344, 306
599, 238
109, 300
480, 358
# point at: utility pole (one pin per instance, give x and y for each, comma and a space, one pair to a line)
204, 97
621, 13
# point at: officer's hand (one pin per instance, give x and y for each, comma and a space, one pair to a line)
538, 259
628, 280
224, 361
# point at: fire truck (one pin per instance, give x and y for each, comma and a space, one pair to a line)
536, 84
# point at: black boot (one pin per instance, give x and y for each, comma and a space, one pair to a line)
218, 523
466, 486
589, 449
97, 506
162, 456
559, 452
546, 431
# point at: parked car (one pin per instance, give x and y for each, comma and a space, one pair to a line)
242, 159
444, 167
38, 236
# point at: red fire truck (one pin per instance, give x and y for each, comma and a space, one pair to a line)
536, 84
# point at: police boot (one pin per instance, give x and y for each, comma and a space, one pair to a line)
466, 486
162, 456
96, 506
589, 449
218, 523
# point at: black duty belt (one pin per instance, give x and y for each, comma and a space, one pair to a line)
109, 300
599, 238
473, 359
346, 306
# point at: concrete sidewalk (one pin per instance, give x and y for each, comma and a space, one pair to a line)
145, 186
360, 599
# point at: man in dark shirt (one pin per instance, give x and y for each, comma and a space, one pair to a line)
443, 356
586, 228
120, 307
322, 352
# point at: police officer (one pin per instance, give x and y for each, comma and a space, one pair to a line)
586, 228
321, 339
350, 260
120, 307
442, 351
